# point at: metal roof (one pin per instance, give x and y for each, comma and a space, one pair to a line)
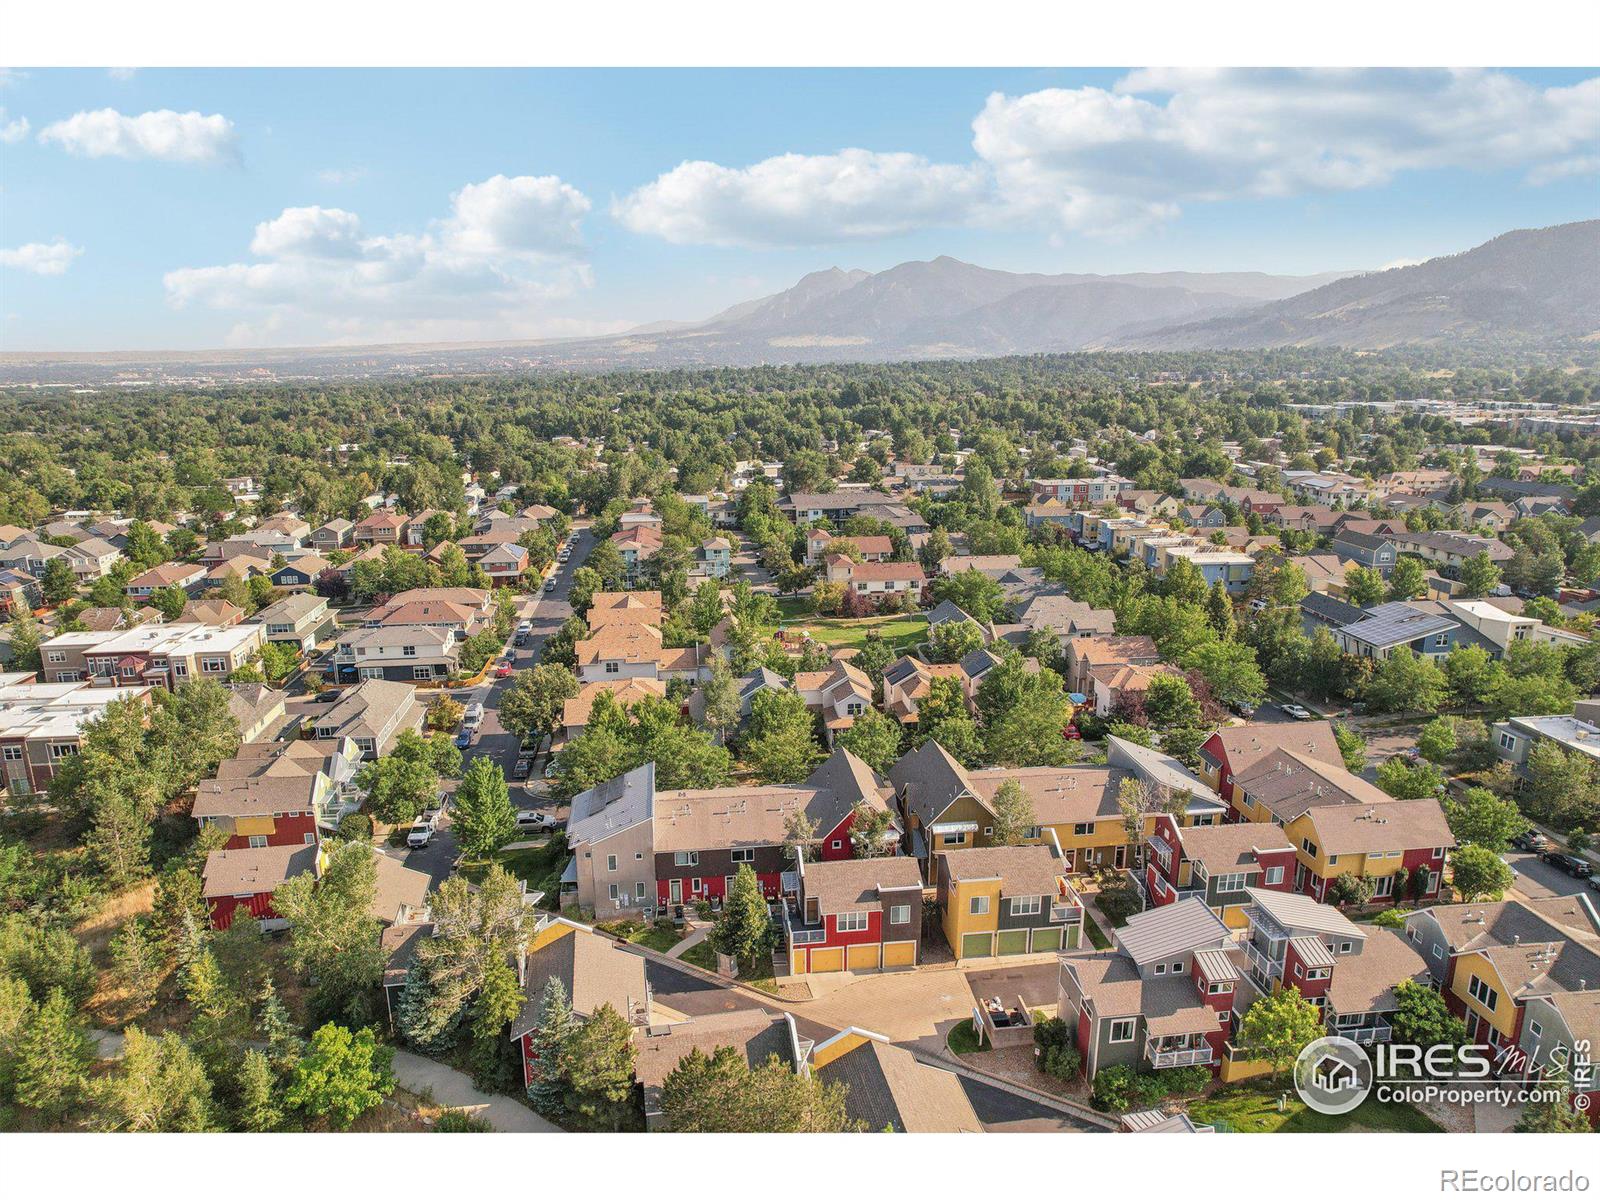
1172, 929
1396, 623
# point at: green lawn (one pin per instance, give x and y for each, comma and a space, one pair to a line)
962, 1039
540, 867
903, 631
1254, 1109
660, 938
701, 955
752, 975
1097, 938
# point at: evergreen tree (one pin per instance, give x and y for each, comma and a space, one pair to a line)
158, 1086
597, 1059
548, 1091
1552, 1110
277, 1029
136, 962
485, 819
53, 1059
258, 1108
744, 927
721, 1093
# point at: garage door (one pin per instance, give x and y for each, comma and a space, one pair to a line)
1046, 939
977, 945
827, 959
1012, 941
862, 958
900, 954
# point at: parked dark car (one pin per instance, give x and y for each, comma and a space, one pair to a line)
1532, 841
1578, 868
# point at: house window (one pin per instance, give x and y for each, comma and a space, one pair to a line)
900, 914
1083, 829
55, 656
1218, 989
1308, 846
696, 885
1273, 875
837, 843
422, 672
12, 753
1507, 742
1121, 1030
59, 750
613, 892
638, 856
952, 839
1438, 954
1177, 967
1345, 947
308, 838
214, 666
638, 891
611, 862
851, 922
686, 858
1031, 832
408, 651
1535, 1030
613, 668
257, 841
1482, 993
1026, 906
1230, 883
979, 906
988, 831
744, 856
1161, 968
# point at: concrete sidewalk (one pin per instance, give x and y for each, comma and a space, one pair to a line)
452, 1089
697, 935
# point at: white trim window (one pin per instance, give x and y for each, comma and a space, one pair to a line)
978, 906
1482, 993
1272, 875
1027, 906
743, 856
900, 914
851, 922
611, 862
1121, 1029
686, 858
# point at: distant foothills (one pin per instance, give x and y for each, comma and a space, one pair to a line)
1530, 288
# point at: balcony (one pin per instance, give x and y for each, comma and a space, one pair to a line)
1270, 968
1365, 1035
1192, 1056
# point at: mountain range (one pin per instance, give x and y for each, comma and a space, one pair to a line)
1527, 287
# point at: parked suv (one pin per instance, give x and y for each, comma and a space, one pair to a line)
1578, 868
421, 833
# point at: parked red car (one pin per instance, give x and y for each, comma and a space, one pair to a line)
503, 671
1071, 733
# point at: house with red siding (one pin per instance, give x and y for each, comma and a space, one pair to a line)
854, 915
596, 971
241, 882
635, 847
1216, 863
1232, 750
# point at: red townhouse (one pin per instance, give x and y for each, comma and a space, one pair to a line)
1216, 863
244, 880
858, 915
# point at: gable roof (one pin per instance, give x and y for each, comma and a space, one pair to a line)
849, 884
1289, 784
1397, 825
888, 1088
595, 971
1246, 745
613, 806
929, 780
1231, 849
1292, 910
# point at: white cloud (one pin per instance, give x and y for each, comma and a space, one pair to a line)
163, 134
1115, 161
340, 176
491, 268
799, 199
41, 258
12, 131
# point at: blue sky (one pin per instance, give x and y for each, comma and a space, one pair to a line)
186, 209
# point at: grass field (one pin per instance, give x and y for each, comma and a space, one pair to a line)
1255, 1110
540, 867
752, 975
962, 1039
902, 631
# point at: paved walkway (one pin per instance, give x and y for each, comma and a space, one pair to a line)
697, 935
452, 1089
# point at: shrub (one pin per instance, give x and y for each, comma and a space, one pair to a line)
1390, 918
1057, 1056
1113, 1089
1119, 901
459, 1120
355, 827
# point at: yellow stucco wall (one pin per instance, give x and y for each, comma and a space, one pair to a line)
959, 918
1504, 1016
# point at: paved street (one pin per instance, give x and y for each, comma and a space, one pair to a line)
548, 611
1539, 880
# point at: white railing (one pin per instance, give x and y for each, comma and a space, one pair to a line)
1271, 968
1162, 1059
1065, 912
1365, 1035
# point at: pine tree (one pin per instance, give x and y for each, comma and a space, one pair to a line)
484, 817
277, 1029
548, 1091
258, 1109
744, 928
597, 1059
158, 1086
499, 1001
53, 1058
16, 1012
1552, 1111
136, 965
